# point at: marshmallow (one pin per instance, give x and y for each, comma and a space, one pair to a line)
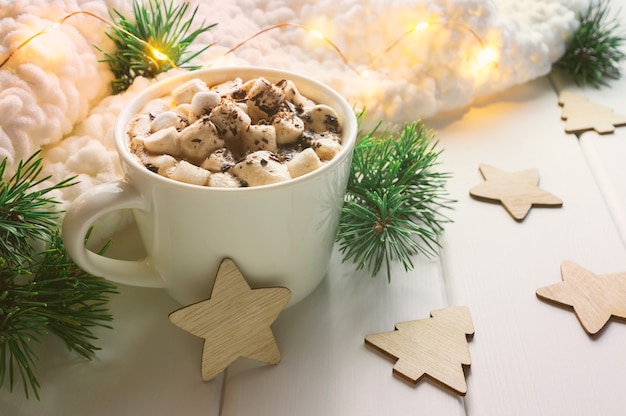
229, 119
219, 161
204, 101
225, 89
198, 140
244, 107
289, 127
223, 180
259, 137
263, 99
163, 141
303, 163
190, 173
160, 164
184, 93
164, 120
292, 94
156, 106
326, 146
261, 168
140, 126
185, 113
320, 118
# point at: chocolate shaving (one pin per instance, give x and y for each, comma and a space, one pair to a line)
152, 168
332, 123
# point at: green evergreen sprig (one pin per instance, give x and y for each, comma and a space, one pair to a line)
165, 27
593, 52
395, 199
26, 214
41, 290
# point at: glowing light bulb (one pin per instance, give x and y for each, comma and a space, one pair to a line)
486, 56
316, 34
159, 55
421, 26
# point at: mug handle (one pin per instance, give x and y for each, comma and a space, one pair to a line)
83, 212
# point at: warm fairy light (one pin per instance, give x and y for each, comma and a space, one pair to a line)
480, 67
421, 26
317, 34
159, 55
486, 56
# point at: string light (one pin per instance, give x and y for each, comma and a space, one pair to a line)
315, 33
420, 27
155, 52
484, 57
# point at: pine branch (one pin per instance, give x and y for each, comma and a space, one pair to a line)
394, 201
26, 214
164, 27
593, 53
41, 291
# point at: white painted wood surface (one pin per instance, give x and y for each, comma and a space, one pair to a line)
528, 356
606, 156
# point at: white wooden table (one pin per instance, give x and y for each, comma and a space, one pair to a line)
528, 356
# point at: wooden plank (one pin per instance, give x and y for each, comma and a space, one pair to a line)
606, 157
528, 356
605, 153
326, 368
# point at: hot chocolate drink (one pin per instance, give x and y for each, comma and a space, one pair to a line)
235, 134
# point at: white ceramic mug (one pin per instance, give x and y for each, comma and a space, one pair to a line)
278, 235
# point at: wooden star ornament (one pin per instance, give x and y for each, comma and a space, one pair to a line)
595, 298
581, 115
234, 322
436, 347
516, 191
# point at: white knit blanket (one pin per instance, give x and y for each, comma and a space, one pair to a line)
55, 94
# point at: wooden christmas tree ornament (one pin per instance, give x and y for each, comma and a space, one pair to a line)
595, 298
582, 115
234, 322
436, 347
516, 191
